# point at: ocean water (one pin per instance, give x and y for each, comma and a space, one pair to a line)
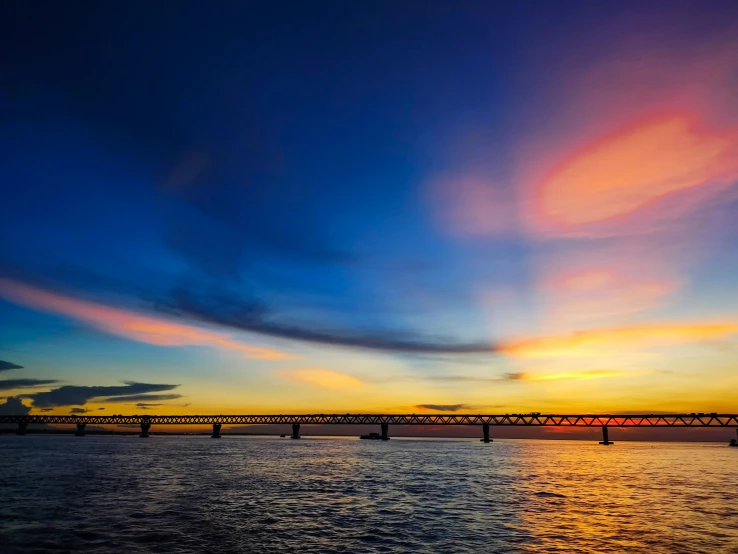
260, 494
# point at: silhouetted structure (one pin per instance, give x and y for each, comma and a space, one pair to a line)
385, 420
485, 432
145, 426
385, 431
605, 439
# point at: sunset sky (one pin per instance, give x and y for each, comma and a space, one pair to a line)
491, 207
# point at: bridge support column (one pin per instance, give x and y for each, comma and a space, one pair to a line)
145, 426
605, 440
734, 442
80, 430
485, 431
295, 430
22, 428
216, 431
385, 431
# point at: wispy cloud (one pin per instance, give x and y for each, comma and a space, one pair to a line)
575, 375
231, 313
597, 292
623, 172
13, 384
443, 407
70, 395
132, 325
136, 397
322, 377
506, 377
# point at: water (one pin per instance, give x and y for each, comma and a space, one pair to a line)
246, 494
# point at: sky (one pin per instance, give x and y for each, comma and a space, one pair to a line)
397, 207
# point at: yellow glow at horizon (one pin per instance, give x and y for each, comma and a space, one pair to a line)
602, 341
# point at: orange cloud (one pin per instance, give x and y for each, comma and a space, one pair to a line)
596, 342
621, 173
130, 324
322, 377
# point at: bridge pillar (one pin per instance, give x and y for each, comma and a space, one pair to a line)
145, 426
216, 431
385, 431
295, 430
734, 442
485, 431
605, 440
80, 430
22, 428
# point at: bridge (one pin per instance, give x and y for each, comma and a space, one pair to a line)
534, 419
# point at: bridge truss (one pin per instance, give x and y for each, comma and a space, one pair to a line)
533, 419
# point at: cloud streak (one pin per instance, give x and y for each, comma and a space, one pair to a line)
13, 384
129, 324
136, 397
6, 366
221, 311
71, 395
595, 342
443, 407
575, 375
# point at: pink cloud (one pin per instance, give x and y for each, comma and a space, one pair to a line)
129, 324
470, 204
607, 184
592, 293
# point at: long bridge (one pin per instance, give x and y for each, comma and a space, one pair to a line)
534, 419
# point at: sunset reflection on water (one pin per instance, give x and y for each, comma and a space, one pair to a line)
191, 494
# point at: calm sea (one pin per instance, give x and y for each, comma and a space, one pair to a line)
248, 494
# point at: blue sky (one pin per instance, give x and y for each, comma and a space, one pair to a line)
498, 206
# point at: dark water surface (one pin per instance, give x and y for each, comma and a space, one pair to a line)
239, 494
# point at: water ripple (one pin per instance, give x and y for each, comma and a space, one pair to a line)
192, 494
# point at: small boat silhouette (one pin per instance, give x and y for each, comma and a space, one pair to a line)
371, 437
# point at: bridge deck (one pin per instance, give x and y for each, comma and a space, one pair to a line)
533, 419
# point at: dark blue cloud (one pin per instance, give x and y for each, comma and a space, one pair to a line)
135, 397
253, 317
5, 366
12, 384
13, 405
71, 395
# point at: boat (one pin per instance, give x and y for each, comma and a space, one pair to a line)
372, 437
